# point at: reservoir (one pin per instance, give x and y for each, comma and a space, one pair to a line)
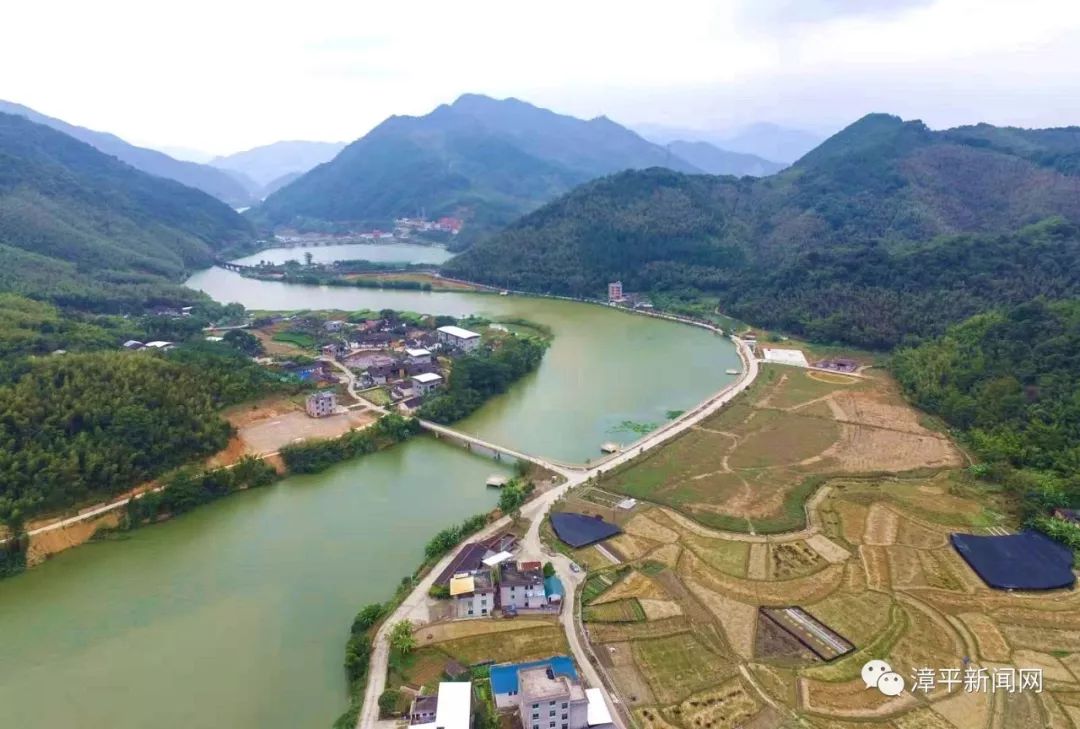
378, 252
236, 614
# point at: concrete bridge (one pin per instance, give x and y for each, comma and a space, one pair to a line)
498, 451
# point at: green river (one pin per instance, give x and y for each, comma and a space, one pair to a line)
235, 616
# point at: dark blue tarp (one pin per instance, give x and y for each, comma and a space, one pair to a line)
1026, 561
579, 530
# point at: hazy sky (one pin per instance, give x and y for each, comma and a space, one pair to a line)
231, 74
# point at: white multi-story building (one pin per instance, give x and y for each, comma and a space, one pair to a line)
551, 701
521, 586
457, 337
425, 383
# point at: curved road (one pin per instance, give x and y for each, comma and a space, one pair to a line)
535, 511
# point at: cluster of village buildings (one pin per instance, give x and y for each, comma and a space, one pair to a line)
545, 694
391, 354
446, 224
485, 578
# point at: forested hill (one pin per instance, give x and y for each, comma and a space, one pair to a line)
85, 230
210, 180
886, 231
481, 159
1008, 381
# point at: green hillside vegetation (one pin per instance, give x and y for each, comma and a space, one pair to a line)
89, 246
484, 160
82, 229
80, 427
886, 233
219, 183
1009, 382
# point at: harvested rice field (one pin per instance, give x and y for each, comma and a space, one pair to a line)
728, 522
751, 466
886, 581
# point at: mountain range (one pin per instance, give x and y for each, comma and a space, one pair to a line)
715, 161
479, 158
772, 142
202, 177
272, 166
886, 230
82, 228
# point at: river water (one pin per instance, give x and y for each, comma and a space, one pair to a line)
379, 252
236, 615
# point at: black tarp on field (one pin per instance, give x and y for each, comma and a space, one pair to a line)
1026, 561
579, 530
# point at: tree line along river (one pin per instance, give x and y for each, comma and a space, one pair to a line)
235, 615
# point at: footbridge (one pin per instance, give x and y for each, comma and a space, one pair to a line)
497, 452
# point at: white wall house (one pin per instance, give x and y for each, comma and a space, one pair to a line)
457, 337
425, 383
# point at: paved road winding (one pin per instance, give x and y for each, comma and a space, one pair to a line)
415, 604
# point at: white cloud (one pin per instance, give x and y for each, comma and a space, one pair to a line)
229, 75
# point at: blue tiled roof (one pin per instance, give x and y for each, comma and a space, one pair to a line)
553, 586
504, 678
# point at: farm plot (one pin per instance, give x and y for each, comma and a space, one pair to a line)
752, 465
509, 645
679, 665
618, 611
726, 707
874, 565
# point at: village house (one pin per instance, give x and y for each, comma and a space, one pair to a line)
417, 355
521, 586
419, 368
426, 383
334, 325
451, 708
320, 404
615, 292
550, 700
458, 338
473, 594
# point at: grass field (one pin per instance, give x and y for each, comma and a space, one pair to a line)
628, 610
299, 339
378, 395
751, 466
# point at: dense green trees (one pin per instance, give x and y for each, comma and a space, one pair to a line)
84, 230
474, 378
448, 538
1009, 382
885, 234
188, 488
77, 427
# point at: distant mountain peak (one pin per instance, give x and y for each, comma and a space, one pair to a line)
492, 158
202, 177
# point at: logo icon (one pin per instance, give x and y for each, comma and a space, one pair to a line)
879, 674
